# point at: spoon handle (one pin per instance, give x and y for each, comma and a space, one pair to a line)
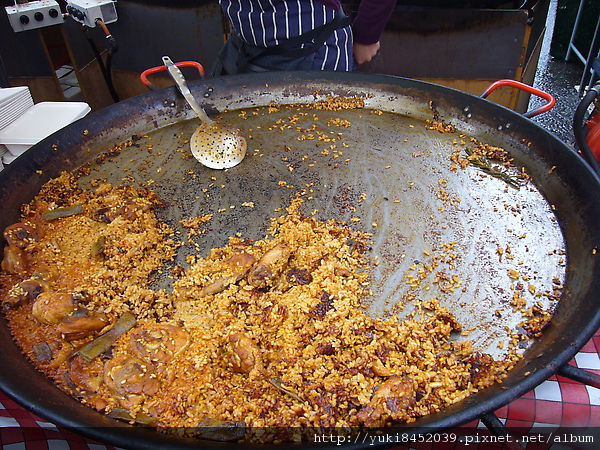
184, 89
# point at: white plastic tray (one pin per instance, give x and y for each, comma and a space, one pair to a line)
39, 122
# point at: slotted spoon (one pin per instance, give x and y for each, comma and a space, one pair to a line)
216, 145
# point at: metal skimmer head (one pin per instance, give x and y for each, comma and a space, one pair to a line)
218, 146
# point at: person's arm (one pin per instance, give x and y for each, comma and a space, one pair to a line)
368, 27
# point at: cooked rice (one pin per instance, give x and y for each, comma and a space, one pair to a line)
258, 335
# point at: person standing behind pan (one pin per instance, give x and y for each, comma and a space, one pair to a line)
271, 35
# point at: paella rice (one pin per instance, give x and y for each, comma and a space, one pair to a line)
265, 334
254, 339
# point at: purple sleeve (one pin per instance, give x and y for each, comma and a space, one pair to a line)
371, 19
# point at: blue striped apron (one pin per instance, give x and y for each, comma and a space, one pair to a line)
269, 23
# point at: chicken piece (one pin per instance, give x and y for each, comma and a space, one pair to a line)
395, 396
14, 261
52, 307
126, 374
21, 234
237, 268
380, 369
134, 209
159, 343
87, 375
79, 326
24, 292
269, 266
246, 356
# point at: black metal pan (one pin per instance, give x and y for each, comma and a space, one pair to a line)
391, 167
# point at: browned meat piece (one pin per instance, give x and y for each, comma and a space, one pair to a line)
396, 395
269, 266
159, 343
130, 210
25, 292
77, 327
380, 369
482, 369
14, 261
85, 374
246, 354
21, 234
298, 276
127, 374
134, 209
323, 306
52, 307
103, 215
342, 272
237, 268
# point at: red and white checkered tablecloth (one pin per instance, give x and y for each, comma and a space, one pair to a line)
558, 401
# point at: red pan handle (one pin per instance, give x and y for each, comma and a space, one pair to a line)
525, 87
144, 75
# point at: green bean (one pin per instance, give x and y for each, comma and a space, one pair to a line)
99, 246
59, 213
140, 417
103, 342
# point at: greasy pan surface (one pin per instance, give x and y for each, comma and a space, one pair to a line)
390, 159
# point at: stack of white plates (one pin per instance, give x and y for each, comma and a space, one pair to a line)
14, 102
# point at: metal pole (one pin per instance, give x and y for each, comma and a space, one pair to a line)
588, 78
574, 32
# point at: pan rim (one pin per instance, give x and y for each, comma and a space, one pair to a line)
42, 155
